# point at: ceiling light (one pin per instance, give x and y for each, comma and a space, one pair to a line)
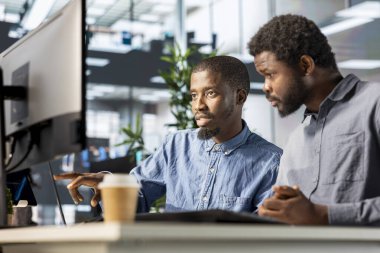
97, 62
162, 8
148, 98
368, 9
344, 25
2, 11
162, 94
162, 1
149, 18
12, 17
359, 64
157, 79
104, 88
39, 11
103, 3
90, 20
111, 48
121, 25
94, 93
93, 11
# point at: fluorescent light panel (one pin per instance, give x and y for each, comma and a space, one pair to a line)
90, 20
37, 14
104, 88
368, 9
12, 17
149, 17
93, 11
345, 25
163, 9
97, 62
157, 79
148, 98
103, 3
359, 64
120, 49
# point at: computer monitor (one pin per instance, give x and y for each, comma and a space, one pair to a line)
49, 64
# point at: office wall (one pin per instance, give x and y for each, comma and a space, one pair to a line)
258, 114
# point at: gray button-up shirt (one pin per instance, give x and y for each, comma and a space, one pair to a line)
334, 155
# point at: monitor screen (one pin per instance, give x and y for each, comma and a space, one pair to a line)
49, 62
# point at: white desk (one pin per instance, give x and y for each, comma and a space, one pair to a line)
168, 237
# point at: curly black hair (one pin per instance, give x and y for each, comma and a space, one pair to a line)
232, 71
291, 36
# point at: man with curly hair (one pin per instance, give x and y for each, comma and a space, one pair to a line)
330, 167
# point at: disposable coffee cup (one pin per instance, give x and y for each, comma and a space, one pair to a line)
119, 196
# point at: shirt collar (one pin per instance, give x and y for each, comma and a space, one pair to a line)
229, 146
337, 94
343, 87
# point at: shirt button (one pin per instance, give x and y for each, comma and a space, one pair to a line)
204, 199
226, 153
212, 170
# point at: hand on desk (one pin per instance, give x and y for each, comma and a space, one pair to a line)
289, 205
78, 179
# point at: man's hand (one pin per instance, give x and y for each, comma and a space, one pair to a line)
78, 179
289, 205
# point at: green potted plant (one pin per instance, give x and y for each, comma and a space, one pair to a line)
134, 140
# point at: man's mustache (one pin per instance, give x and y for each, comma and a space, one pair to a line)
270, 98
206, 115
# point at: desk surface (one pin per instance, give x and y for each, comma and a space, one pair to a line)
100, 232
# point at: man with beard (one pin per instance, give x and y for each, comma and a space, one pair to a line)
220, 165
330, 167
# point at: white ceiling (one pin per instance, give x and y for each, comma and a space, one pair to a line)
108, 12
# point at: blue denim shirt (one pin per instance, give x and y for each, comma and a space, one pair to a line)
199, 174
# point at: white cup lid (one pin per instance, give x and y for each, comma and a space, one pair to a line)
119, 180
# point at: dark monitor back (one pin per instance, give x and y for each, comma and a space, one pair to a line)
49, 62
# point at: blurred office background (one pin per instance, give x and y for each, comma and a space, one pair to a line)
128, 37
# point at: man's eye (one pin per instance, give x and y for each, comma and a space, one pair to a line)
193, 96
269, 76
210, 93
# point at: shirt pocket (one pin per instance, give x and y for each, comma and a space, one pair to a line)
234, 203
344, 158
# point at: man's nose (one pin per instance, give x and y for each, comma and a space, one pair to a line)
200, 104
267, 87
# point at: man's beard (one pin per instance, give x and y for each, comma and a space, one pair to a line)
205, 133
294, 99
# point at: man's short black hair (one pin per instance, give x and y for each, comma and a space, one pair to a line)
231, 70
291, 36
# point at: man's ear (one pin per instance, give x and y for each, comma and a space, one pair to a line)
241, 96
307, 64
